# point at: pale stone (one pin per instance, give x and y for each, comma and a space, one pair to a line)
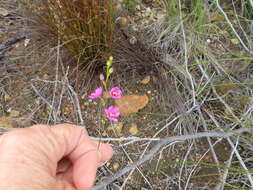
134, 129
115, 165
3, 12
146, 80
131, 104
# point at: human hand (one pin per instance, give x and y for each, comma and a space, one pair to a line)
61, 157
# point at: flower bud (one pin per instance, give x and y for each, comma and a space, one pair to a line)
101, 77
109, 62
110, 70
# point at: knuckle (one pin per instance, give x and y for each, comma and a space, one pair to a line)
14, 137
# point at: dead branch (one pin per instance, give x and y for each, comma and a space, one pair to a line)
158, 146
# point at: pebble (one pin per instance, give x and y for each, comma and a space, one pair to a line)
133, 40
134, 129
115, 166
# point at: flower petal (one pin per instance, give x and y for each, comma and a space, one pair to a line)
98, 92
115, 93
114, 119
112, 113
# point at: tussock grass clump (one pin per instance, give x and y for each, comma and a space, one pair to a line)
84, 27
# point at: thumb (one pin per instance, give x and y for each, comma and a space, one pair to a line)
60, 185
85, 168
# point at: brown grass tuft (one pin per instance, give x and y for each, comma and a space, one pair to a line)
85, 27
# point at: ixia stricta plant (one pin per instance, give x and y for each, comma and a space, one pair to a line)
112, 112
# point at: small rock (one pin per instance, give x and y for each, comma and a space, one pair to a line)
146, 80
133, 40
26, 42
134, 129
118, 128
235, 41
131, 104
115, 165
3, 12
45, 76
123, 21
104, 134
7, 97
37, 101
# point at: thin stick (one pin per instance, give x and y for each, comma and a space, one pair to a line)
210, 142
157, 147
221, 185
186, 55
196, 165
38, 93
55, 84
183, 164
121, 139
232, 27
77, 104
236, 153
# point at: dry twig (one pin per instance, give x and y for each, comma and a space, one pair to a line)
157, 147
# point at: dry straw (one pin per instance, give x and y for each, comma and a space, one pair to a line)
85, 27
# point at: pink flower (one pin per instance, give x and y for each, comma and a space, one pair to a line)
112, 113
96, 94
115, 93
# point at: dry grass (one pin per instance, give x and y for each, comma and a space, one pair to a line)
84, 27
193, 45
